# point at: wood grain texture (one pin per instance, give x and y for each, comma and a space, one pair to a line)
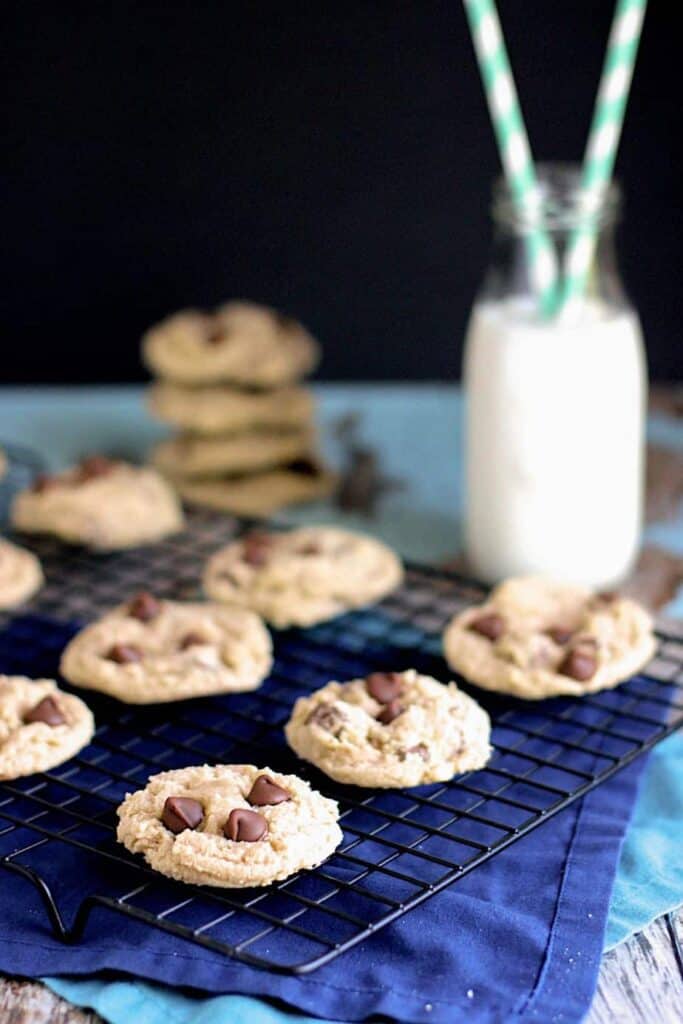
640, 981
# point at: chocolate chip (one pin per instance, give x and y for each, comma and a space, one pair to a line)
391, 710
309, 548
304, 467
265, 792
144, 607
43, 482
245, 826
607, 597
490, 625
94, 466
256, 548
191, 640
181, 812
579, 664
326, 716
383, 686
216, 331
124, 654
47, 710
560, 634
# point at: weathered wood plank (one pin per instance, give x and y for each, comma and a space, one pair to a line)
640, 981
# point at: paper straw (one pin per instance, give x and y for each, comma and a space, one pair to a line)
603, 140
513, 144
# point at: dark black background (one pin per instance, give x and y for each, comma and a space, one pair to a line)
333, 159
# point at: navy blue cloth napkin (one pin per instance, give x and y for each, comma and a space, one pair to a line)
519, 938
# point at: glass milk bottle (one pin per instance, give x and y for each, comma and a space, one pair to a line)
555, 406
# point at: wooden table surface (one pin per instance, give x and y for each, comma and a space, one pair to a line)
641, 981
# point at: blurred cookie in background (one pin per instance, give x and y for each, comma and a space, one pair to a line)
187, 456
230, 384
101, 503
261, 494
228, 410
20, 575
241, 343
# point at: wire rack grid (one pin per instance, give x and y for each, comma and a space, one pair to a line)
400, 847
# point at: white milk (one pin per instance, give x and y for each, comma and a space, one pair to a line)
555, 442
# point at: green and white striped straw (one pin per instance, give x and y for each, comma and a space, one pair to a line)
603, 140
513, 144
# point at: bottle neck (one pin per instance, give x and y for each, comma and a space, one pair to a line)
509, 274
557, 212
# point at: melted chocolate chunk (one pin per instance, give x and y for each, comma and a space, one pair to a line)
607, 596
304, 467
181, 812
44, 482
265, 792
491, 625
256, 548
216, 332
47, 710
326, 716
311, 547
124, 654
191, 640
144, 607
391, 710
580, 663
383, 686
560, 634
245, 826
94, 466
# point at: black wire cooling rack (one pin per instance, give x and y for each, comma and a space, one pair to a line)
400, 847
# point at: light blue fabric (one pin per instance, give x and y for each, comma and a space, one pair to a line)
423, 521
137, 1002
650, 877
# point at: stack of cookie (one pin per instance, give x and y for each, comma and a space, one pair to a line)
229, 381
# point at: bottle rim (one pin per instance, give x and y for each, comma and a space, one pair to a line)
558, 204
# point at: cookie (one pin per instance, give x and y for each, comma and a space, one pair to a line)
230, 826
20, 575
226, 410
187, 456
40, 727
102, 504
534, 638
390, 730
240, 343
261, 494
304, 576
151, 651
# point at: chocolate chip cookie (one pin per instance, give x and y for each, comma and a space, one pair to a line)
303, 576
103, 504
151, 651
186, 456
389, 730
230, 826
40, 727
534, 638
224, 410
240, 343
261, 494
20, 574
